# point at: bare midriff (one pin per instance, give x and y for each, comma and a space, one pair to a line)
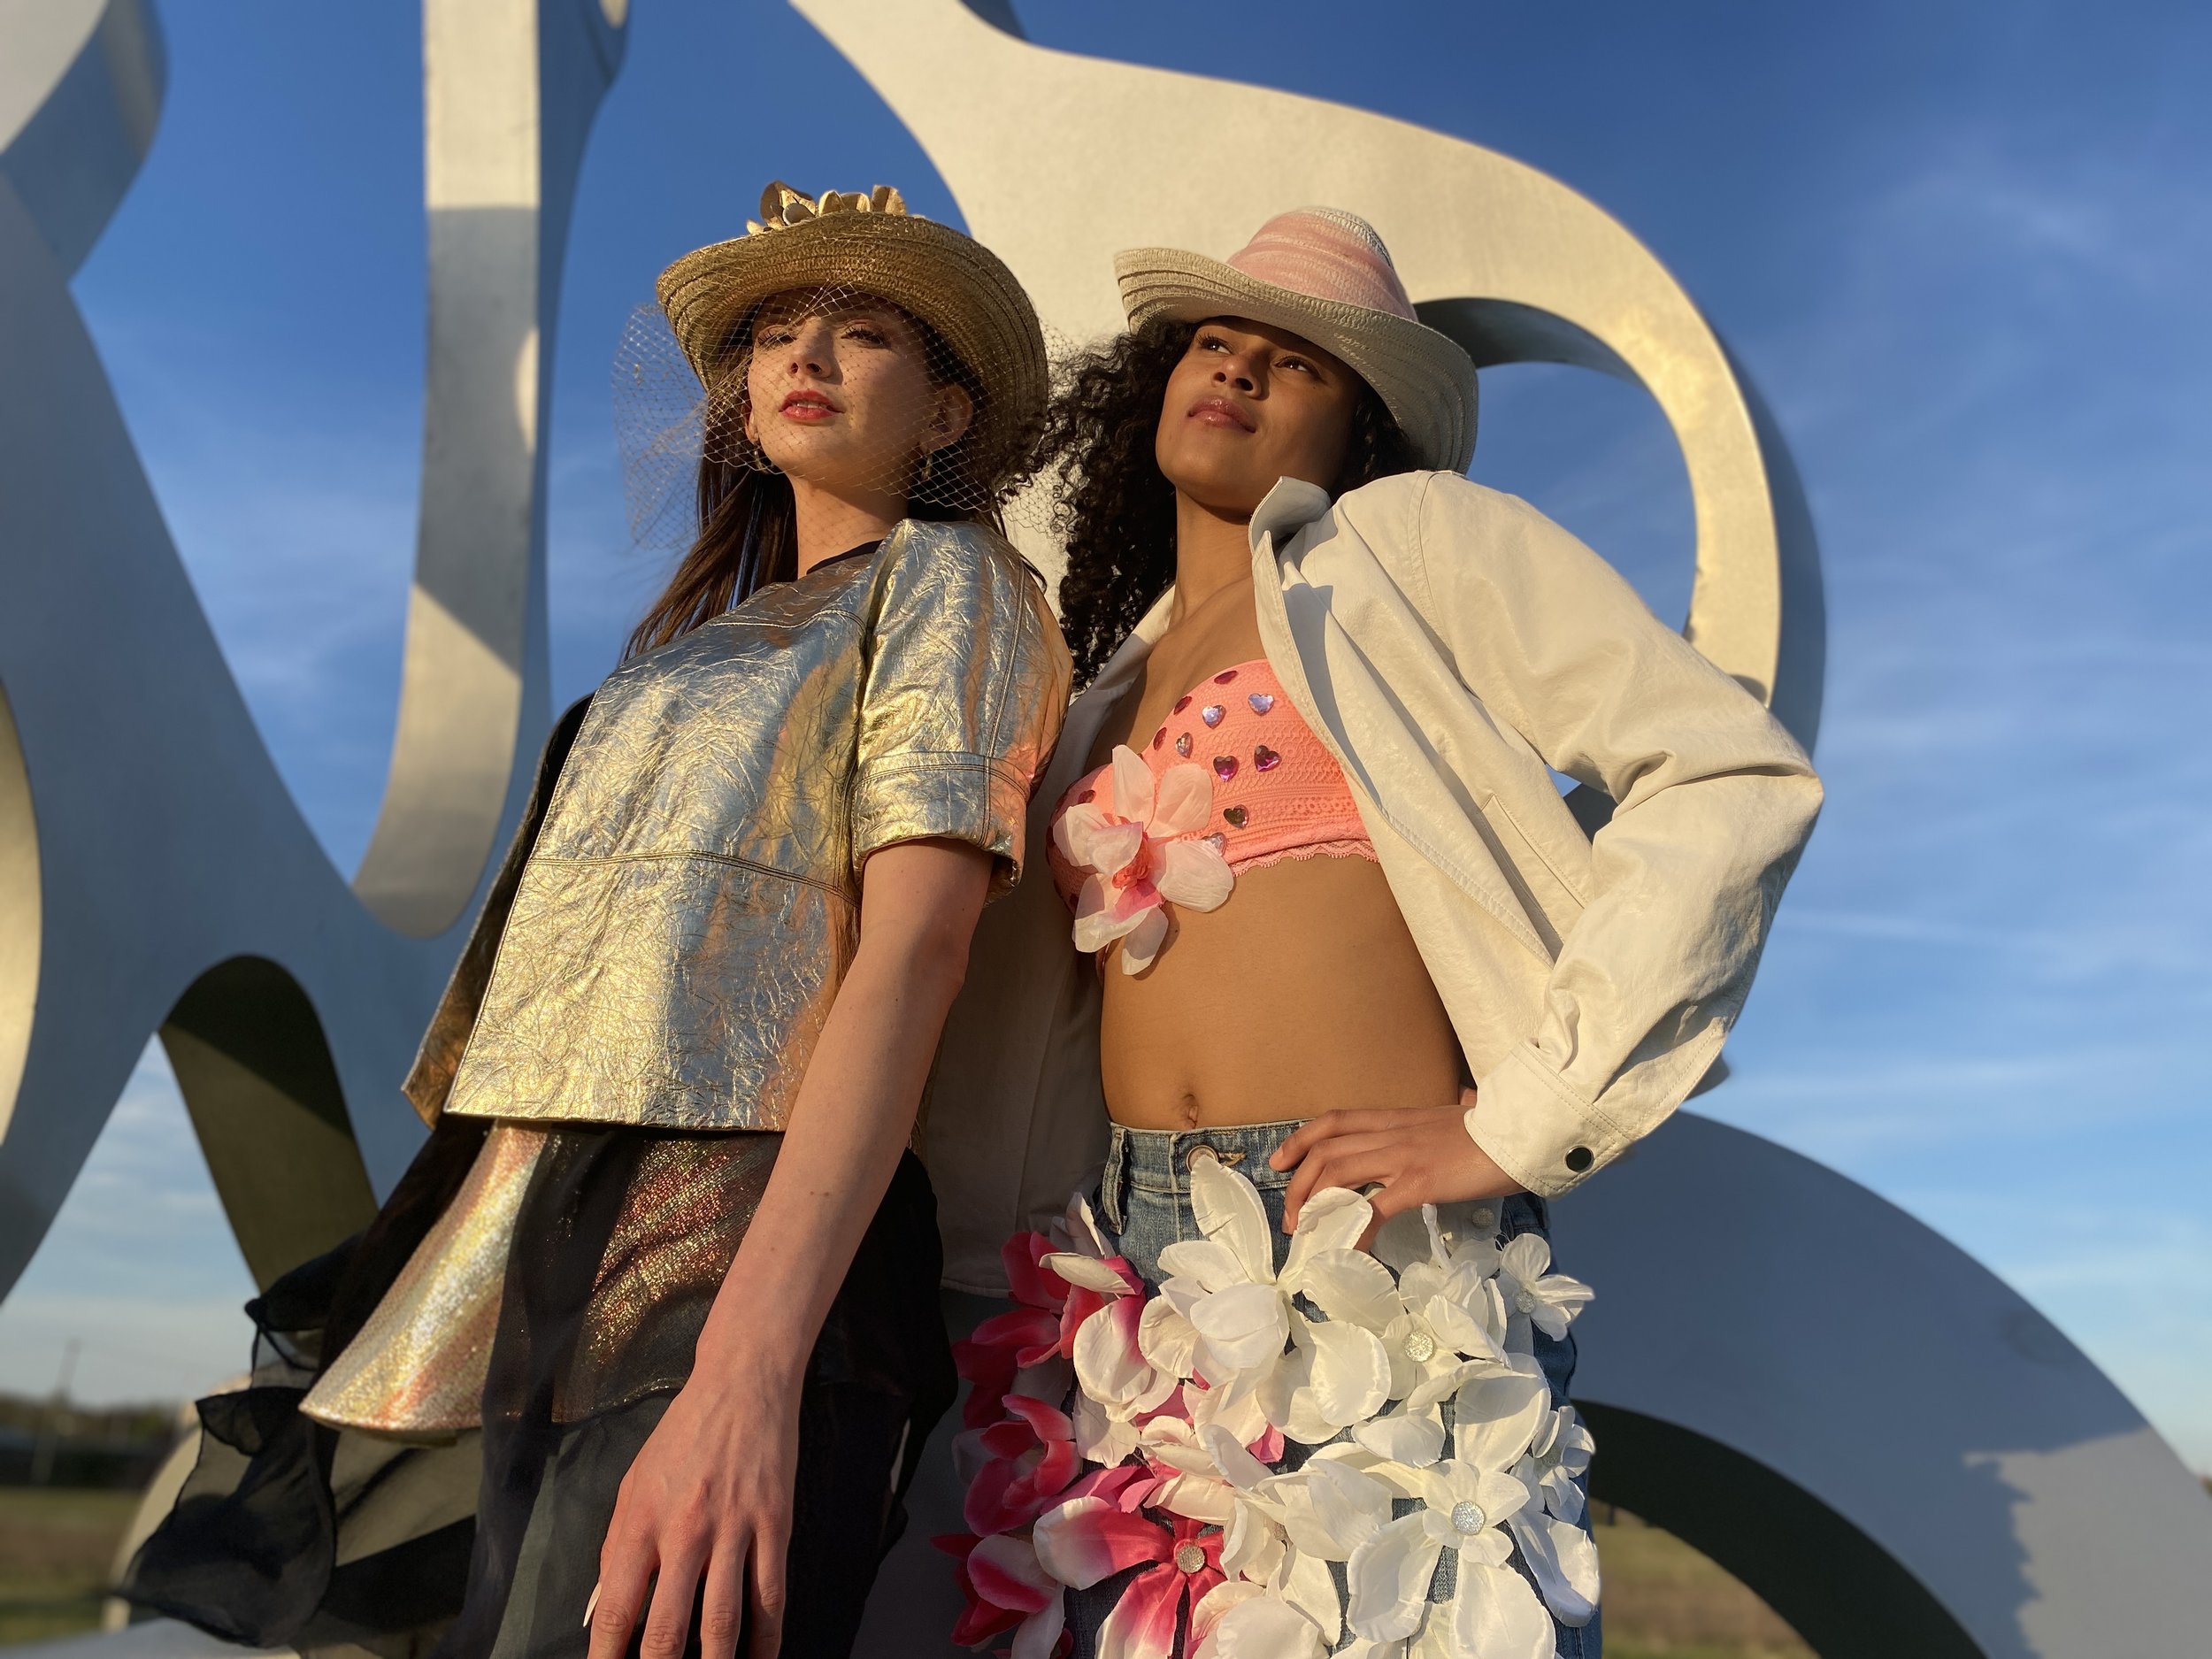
1301, 993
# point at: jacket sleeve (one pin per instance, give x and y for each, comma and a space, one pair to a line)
967, 680
1712, 800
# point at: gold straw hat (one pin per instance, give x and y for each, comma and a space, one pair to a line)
1324, 274
869, 244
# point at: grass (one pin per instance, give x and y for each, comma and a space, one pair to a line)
55, 1547
1662, 1599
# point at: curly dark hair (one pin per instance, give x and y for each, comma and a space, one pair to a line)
1115, 513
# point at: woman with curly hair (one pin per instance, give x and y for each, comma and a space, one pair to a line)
1358, 970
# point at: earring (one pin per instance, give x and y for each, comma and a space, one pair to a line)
929, 462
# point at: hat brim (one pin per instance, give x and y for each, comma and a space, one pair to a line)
1425, 378
952, 282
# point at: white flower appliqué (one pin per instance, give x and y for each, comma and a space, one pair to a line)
1196, 1388
1139, 839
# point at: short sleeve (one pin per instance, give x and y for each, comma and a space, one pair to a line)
967, 679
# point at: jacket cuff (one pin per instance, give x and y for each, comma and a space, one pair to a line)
1535, 1130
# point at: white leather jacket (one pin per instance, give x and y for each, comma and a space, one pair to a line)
1447, 643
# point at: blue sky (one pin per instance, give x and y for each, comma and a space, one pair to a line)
1964, 252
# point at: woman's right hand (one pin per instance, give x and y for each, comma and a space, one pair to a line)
703, 1518
1403, 1157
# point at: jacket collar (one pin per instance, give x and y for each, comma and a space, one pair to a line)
1287, 509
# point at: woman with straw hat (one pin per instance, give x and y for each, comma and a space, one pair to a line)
1346, 973
666, 1264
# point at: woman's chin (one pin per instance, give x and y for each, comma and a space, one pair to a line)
1235, 497
835, 468
1229, 484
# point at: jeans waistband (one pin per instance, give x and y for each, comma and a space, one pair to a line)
1158, 1160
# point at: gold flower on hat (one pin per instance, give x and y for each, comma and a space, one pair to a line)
781, 206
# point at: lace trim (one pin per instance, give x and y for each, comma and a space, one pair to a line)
1348, 848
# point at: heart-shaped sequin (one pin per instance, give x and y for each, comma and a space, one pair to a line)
1264, 759
1216, 840
1262, 703
1159, 737
1211, 713
1224, 767
1235, 815
1181, 704
1182, 745
1225, 676
1086, 797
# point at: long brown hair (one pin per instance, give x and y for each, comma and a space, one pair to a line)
748, 521
1115, 512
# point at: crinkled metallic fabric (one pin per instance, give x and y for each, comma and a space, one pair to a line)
440, 1055
692, 901
417, 1367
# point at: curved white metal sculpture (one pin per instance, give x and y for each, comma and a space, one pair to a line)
154, 872
1512, 263
1893, 1448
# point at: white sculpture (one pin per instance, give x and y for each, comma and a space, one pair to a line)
154, 872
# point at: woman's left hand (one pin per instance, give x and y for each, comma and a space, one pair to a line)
704, 1520
1418, 1155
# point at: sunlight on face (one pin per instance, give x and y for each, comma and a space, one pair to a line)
840, 394
1249, 404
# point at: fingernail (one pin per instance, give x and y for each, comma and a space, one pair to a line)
590, 1605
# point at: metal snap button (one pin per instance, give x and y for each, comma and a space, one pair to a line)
1580, 1159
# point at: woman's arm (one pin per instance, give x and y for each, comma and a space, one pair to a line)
708, 1502
1712, 803
1713, 800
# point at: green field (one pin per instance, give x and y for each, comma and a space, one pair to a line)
1662, 1599
55, 1547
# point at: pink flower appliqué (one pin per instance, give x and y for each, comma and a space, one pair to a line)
1005, 1345
1004, 1587
1031, 1461
1139, 840
1090, 1539
1003, 1352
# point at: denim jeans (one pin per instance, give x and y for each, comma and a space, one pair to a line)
1143, 1205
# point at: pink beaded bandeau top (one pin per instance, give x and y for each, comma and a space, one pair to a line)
1231, 779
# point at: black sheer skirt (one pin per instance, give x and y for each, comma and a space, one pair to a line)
290, 1533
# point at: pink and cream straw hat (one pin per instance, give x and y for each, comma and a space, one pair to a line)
1324, 274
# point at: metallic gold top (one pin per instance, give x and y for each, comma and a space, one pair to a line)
691, 901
